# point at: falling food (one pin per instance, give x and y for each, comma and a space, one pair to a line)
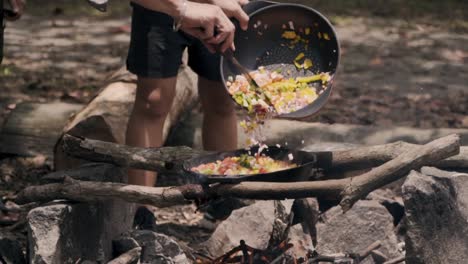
275, 94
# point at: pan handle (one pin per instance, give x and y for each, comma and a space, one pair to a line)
254, 5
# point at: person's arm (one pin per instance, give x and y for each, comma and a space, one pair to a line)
203, 20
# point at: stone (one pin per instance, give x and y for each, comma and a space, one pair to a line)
436, 205
256, 224
124, 244
44, 232
63, 232
158, 248
11, 251
391, 201
353, 231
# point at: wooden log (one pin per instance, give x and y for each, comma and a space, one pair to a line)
368, 157
33, 128
399, 167
161, 159
306, 211
131, 256
105, 117
347, 190
154, 159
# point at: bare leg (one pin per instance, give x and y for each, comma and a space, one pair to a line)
145, 127
219, 121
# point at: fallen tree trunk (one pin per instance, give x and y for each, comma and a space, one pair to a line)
166, 158
106, 116
347, 190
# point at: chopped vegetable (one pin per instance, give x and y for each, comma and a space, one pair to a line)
288, 34
276, 93
299, 56
298, 65
307, 30
307, 64
325, 36
324, 77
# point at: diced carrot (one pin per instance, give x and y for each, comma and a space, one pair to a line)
288, 34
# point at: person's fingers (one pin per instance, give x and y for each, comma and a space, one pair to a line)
15, 6
194, 32
227, 27
228, 42
208, 30
218, 39
22, 4
211, 48
243, 2
242, 17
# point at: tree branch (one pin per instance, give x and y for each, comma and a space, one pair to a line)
348, 190
153, 159
170, 158
399, 167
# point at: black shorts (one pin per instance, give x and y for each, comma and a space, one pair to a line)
156, 51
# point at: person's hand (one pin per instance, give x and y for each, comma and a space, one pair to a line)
209, 24
233, 9
17, 8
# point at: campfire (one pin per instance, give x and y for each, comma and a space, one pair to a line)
388, 163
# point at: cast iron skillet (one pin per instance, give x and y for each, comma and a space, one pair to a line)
306, 161
254, 50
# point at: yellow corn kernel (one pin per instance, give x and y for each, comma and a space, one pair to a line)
307, 63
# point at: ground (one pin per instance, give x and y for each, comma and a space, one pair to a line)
403, 64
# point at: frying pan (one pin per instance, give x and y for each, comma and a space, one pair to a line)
260, 46
306, 161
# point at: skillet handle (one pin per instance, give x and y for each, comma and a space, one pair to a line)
254, 5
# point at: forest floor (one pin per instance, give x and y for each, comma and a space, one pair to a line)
405, 65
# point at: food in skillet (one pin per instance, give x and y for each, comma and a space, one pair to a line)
276, 93
243, 165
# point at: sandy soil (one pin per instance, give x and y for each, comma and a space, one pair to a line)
393, 72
